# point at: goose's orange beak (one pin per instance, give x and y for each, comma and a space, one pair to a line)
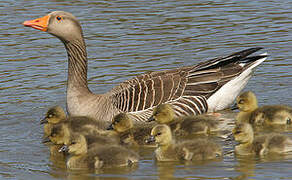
39, 23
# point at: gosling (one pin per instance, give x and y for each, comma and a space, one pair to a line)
265, 115
53, 116
129, 135
57, 115
191, 150
200, 124
249, 144
62, 132
95, 156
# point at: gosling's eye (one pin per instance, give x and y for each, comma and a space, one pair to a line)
241, 101
50, 115
158, 134
288, 121
237, 132
59, 18
73, 142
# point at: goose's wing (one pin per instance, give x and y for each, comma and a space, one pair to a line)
187, 88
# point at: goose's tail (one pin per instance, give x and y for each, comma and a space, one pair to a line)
226, 95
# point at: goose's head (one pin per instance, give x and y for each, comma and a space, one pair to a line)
54, 115
161, 135
61, 24
247, 102
162, 114
243, 133
121, 123
77, 145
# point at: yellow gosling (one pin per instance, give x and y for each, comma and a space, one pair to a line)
95, 156
200, 124
265, 115
249, 144
54, 115
191, 150
122, 124
62, 132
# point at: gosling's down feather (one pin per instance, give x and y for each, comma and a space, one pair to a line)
129, 133
259, 144
264, 115
183, 126
83, 155
190, 150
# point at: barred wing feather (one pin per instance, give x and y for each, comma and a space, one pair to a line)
186, 88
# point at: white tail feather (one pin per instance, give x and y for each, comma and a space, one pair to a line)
226, 95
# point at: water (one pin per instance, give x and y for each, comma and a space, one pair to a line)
124, 39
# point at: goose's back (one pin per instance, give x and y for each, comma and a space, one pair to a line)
186, 88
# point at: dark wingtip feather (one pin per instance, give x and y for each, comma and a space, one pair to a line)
240, 56
246, 52
253, 58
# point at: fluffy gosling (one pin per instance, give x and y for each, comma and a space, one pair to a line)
249, 144
200, 124
95, 156
191, 150
122, 124
62, 132
53, 116
56, 115
265, 115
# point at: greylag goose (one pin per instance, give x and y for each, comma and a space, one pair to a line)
265, 115
208, 86
189, 150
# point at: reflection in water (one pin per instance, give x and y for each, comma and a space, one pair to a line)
166, 170
245, 166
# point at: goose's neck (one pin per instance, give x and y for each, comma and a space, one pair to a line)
77, 66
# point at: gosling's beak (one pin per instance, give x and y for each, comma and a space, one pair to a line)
39, 23
151, 119
44, 120
46, 139
64, 148
234, 106
111, 127
150, 139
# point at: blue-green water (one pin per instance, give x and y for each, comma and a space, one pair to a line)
124, 39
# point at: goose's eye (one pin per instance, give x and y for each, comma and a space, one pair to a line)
59, 18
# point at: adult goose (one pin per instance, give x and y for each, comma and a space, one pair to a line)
208, 86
